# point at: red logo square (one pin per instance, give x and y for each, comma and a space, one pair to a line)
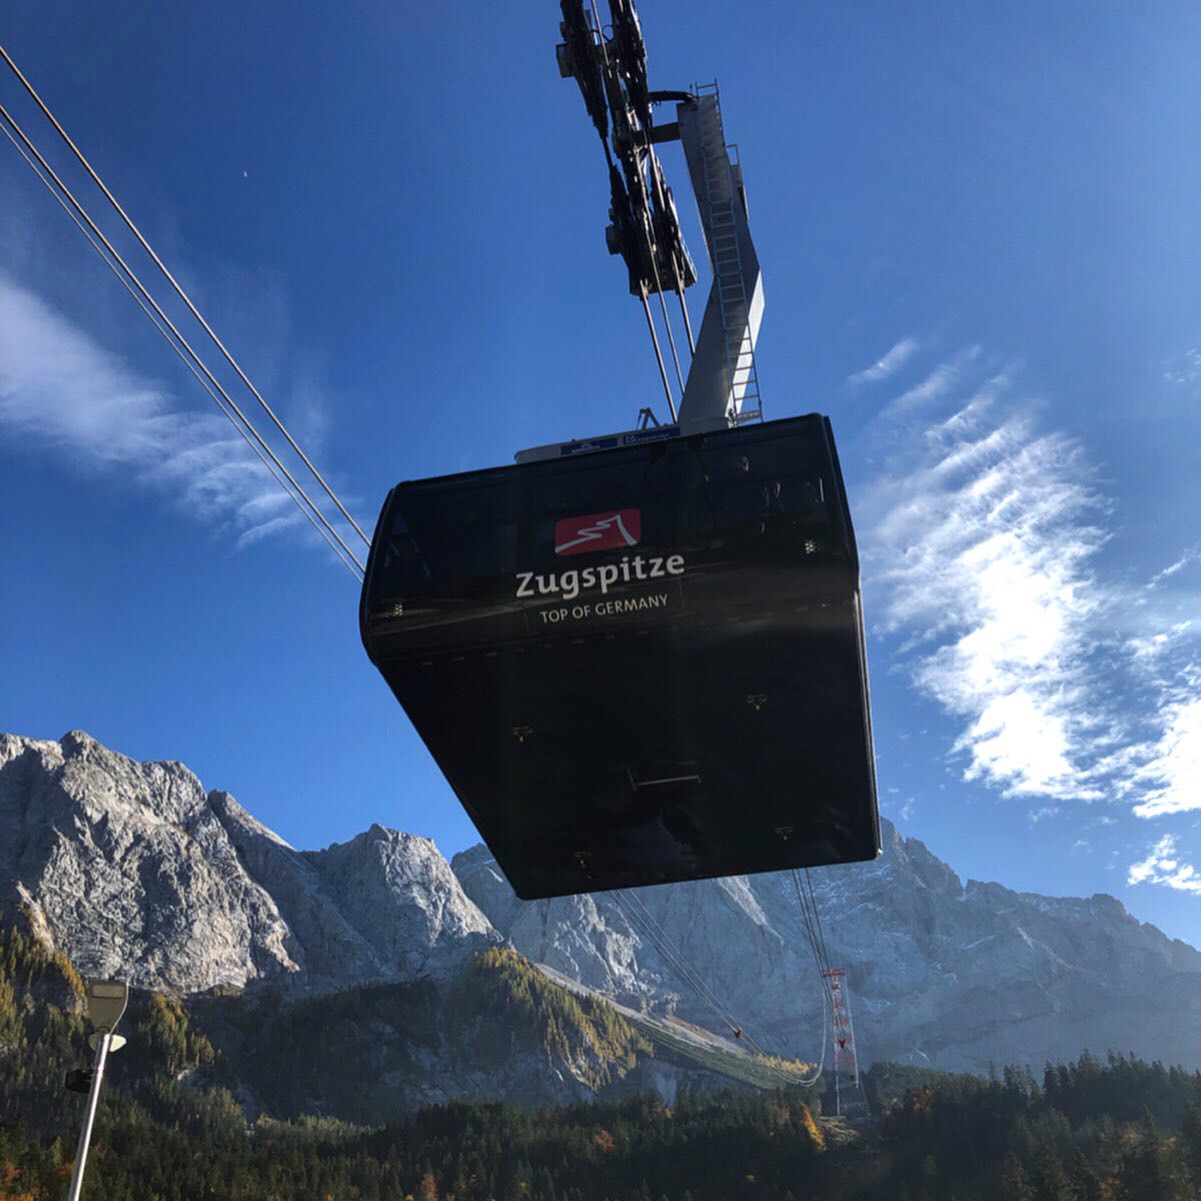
598, 531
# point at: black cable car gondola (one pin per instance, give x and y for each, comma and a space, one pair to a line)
640, 658
639, 665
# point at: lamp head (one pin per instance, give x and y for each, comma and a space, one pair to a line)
106, 1003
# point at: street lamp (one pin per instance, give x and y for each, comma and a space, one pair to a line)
106, 1003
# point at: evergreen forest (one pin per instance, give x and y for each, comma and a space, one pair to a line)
172, 1127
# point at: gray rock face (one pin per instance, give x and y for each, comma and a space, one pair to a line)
939, 972
127, 868
399, 893
132, 870
583, 937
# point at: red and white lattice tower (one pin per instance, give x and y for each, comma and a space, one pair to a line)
846, 1058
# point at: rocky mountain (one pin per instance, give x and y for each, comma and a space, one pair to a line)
941, 972
133, 869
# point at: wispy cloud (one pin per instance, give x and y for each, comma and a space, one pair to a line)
1190, 556
887, 365
1043, 813
1170, 774
1151, 647
938, 384
60, 390
1185, 371
1162, 866
982, 548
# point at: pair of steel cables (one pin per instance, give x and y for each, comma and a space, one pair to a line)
171, 333
643, 921
811, 917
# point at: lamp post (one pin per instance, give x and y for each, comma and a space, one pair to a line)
106, 1003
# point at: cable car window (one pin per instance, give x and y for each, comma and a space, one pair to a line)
439, 537
799, 496
464, 553
604, 486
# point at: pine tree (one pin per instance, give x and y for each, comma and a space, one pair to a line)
1084, 1182
1141, 1174
1050, 1180
1190, 1141
1014, 1185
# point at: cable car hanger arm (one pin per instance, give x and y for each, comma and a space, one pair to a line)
721, 385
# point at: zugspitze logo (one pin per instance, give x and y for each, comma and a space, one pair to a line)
598, 531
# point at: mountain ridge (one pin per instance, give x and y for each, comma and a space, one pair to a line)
940, 971
135, 869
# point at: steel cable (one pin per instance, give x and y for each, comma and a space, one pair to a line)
688, 977
677, 960
817, 919
671, 341
650, 325
137, 233
350, 564
807, 919
9, 121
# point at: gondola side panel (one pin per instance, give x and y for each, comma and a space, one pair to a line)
641, 665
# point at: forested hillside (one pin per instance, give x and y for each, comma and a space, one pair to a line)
371, 1054
961, 1138
172, 1127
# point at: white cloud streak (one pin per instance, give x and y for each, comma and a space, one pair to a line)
981, 551
938, 384
1162, 866
1171, 772
1190, 556
60, 390
982, 548
886, 366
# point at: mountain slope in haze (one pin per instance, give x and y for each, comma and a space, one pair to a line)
495, 1028
950, 974
372, 984
133, 869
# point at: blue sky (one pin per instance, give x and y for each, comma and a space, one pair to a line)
982, 257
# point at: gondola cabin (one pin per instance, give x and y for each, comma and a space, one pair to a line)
639, 665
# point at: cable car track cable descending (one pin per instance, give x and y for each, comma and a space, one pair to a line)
676, 959
59, 189
137, 233
655, 935
658, 937
280, 478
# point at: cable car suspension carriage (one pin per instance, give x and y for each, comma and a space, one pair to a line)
639, 658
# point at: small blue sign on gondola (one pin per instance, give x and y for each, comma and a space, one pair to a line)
610, 442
